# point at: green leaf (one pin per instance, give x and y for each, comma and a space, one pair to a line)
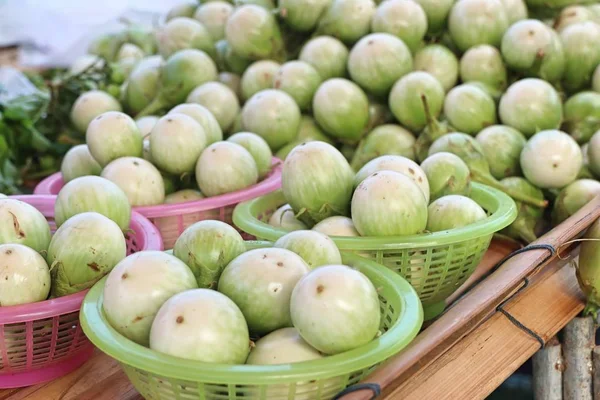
27, 107
4, 150
35, 127
38, 141
9, 178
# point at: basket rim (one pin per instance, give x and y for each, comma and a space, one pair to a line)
271, 182
127, 352
42, 309
504, 215
70, 303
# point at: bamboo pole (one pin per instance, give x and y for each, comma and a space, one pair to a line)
579, 338
476, 365
547, 372
596, 362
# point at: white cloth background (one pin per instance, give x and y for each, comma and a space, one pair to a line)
55, 32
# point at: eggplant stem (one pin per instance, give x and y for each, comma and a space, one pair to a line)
428, 115
590, 309
302, 211
511, 239
155, 105
527, 235
512, 193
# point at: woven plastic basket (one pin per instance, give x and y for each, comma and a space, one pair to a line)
172, 219
160, 376
42, 341
435, 264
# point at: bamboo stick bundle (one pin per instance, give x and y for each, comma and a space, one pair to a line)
548, 369
596, 374
579, 342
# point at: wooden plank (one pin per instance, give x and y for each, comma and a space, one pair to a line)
479, 362
475, 307
101, 378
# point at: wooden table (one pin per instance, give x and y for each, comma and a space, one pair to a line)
100, 378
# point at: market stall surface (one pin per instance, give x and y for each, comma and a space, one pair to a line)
101, 378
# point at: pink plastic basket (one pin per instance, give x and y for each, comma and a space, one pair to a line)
42, 341
172, 219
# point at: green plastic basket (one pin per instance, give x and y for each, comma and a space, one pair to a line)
160, 376
435, 264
